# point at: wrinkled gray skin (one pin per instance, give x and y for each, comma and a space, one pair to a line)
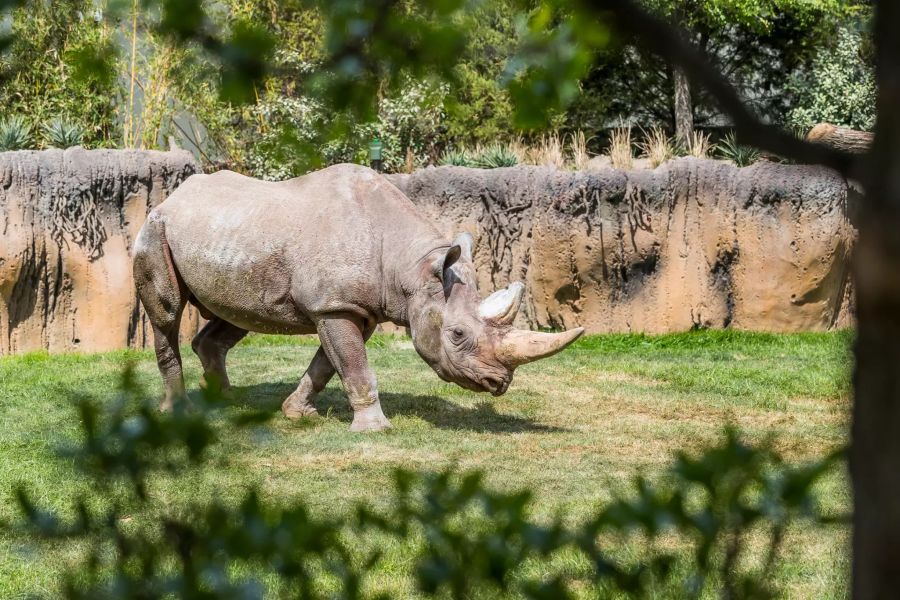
335, 253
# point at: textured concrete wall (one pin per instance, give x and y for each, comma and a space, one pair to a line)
694, 243
67, 223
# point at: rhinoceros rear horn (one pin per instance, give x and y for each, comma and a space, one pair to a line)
502, 306
521, 346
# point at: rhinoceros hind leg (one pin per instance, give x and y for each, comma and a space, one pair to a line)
164, 296
211, 345
301, 401
343, 340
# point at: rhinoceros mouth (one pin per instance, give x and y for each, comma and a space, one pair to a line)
497, 386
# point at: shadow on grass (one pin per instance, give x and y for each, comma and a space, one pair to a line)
482, 417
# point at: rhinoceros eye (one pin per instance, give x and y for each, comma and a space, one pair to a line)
457, 335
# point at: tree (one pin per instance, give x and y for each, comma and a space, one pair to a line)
756, 44
49, 69
838, 88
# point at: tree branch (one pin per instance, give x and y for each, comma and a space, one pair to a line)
664, 40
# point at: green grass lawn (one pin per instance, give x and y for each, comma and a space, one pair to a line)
576, 429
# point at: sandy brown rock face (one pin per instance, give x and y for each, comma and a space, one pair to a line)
694, 243
67, 223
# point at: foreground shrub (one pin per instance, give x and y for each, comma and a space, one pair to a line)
466, 539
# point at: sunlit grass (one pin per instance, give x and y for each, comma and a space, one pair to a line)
576, 429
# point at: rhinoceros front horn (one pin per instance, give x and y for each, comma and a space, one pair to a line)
521, 346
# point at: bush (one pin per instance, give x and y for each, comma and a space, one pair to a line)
295, 134
839, 88
60, 62
468, 540
412, 122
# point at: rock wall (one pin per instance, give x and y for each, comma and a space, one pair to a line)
67, 222
693, 243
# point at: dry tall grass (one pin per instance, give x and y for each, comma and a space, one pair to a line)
548, 152
620, 148
698, 145
656, 146
518, 147
578, 150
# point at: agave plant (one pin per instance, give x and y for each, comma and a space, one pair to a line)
494, 156
457, 158
729, 149
15, 134
64, 134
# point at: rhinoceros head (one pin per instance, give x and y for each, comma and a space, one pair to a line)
468, 340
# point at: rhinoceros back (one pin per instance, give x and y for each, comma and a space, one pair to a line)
270, 257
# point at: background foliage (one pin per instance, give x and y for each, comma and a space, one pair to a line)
309, 93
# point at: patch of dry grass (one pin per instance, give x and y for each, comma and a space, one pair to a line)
621, 148
699, 145
656, 146
578, 150
548, 151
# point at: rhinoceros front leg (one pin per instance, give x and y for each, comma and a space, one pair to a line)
301, 402
343, 340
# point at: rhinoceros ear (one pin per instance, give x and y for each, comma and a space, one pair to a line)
465, 243
441, 265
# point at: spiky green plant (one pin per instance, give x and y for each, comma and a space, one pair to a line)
15, 134
729, 149
494, 156
64, 134
457, 158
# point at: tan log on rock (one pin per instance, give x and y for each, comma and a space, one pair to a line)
841, 138
693, 243
67, 223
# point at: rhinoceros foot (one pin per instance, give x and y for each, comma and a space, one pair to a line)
298, 406
370, 418
217, 385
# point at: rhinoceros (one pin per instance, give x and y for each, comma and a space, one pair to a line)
335, 252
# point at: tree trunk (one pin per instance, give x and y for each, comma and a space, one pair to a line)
875, 436
684, 110
841, 138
